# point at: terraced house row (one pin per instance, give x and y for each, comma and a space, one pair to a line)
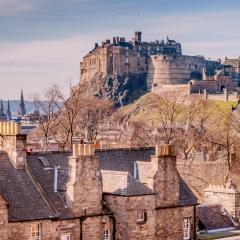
91, 193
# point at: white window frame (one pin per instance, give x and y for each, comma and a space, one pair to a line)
35, 232
141, 216
65, 236
186, 228
107, 234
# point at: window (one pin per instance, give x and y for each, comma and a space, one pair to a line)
66, 236
186, 228
106, 234
35, 232
141, 216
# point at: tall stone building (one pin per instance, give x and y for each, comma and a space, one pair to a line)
89, 194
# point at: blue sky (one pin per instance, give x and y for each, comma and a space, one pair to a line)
43, 41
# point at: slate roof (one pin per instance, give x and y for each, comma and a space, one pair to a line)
187, 197
24, 200
213, 217
36, 186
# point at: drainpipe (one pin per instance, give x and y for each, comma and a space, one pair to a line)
195, 223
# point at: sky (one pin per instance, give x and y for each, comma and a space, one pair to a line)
43, 41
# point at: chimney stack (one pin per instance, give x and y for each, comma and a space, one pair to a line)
165, 176
13, 142
84, 187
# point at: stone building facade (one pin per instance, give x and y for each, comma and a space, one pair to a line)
233, 67
120, 65
121, 57
91, 194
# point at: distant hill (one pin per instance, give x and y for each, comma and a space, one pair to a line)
14, 104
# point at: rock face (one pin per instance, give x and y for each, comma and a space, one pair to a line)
121, 89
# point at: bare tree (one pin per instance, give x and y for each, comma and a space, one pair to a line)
91, 114
48, 109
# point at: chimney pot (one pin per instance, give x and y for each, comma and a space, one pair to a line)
165, 150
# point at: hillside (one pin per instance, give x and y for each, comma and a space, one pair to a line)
145, 108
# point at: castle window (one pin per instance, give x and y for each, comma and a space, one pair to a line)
141, 216
35, 232
107, 234
126, 60
186, 228
66, 236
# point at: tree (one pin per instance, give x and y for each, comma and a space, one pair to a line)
92, 113
47, 107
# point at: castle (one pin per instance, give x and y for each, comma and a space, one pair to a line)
120, 67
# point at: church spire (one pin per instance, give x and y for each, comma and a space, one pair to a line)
8, 113
1, 107
2, 113
22, 108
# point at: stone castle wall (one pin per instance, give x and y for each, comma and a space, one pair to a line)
112, 60
172, 69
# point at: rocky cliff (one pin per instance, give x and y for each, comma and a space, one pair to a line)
121, 89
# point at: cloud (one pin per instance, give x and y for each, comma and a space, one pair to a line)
35, 65
13, 7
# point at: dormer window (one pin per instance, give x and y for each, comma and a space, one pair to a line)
141, 216
35, 232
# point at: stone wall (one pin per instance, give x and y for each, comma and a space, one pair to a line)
112, 60
169, 223
14, 146
92, 228
172, 69
84, 188
126, 210
213, 86
229, 197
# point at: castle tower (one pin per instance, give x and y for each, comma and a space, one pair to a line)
22, 108
8, 113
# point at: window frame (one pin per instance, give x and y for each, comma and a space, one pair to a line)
64, 235
141, 216
186, 228
106, 234
35, 232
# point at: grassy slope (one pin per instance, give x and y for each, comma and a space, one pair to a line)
144, 109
